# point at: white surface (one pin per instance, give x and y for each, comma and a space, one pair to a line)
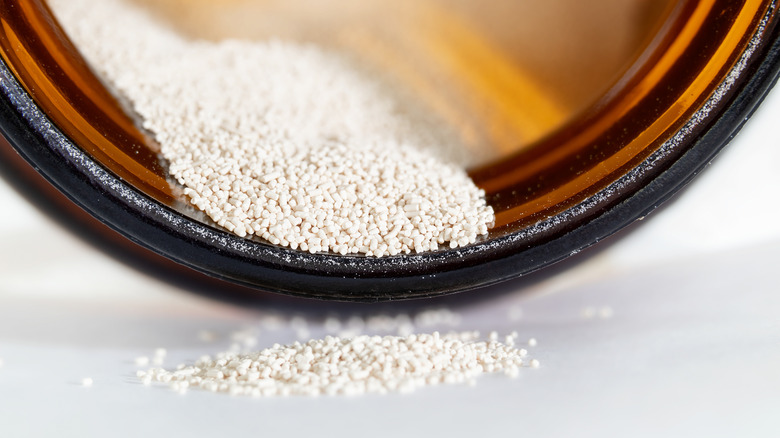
693, 348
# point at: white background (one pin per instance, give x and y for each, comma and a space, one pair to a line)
692, 348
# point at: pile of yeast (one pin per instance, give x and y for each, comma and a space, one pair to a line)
284, 141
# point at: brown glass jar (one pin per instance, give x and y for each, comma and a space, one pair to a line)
588, 127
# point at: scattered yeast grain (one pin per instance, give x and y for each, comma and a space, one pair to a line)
515, 313
336, 366
588, 312
606, 312
207, 336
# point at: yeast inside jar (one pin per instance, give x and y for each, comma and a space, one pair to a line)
504, 75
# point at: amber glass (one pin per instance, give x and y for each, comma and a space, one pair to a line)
561, 98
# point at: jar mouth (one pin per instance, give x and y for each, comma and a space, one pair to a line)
701, 72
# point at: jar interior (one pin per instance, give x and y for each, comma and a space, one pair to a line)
560, 98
